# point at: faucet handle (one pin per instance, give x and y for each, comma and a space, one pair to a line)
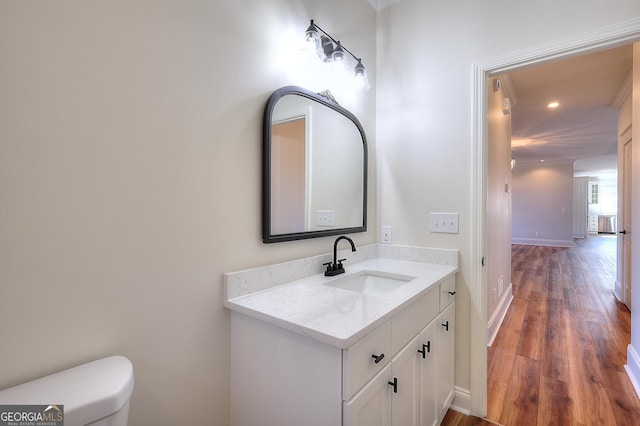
328, 265
339, 266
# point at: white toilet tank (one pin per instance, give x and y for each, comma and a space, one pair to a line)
96, 393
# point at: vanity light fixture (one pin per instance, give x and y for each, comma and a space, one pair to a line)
331, 50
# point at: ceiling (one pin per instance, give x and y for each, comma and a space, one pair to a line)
583, 128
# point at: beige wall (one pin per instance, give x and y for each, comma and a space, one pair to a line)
498, 217
130, 158
543, 204
130, 166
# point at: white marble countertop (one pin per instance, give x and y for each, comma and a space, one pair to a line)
337, 316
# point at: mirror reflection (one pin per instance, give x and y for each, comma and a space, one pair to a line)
315, 167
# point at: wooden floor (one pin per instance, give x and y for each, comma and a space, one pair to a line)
558, 358
453, 418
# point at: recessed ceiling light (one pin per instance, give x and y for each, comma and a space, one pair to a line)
553, 104
542, 161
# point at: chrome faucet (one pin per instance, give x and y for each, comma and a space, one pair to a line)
336, 267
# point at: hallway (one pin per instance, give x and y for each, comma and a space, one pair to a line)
559, 356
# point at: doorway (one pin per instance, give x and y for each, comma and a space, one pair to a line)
590, 42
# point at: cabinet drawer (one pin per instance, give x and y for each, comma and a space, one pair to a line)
358, 363
447, 292
413, 318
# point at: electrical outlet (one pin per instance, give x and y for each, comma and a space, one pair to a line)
326, 218
385, 235
443, 222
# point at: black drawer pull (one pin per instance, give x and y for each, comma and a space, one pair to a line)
453, 293
446, 326
394, 384
426, 349
377, 358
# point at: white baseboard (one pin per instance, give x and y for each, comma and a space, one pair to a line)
632, 367
462, 401
493, 326
539, 242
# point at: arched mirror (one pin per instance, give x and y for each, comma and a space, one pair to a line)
314, 168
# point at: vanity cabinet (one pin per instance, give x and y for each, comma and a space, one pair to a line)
420, 380
401, 373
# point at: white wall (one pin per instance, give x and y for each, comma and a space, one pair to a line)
543, 204
130, 170
425, 105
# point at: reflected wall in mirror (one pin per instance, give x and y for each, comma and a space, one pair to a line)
314, 168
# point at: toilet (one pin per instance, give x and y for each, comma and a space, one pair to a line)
96, 393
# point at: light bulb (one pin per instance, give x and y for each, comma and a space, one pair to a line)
311, 35
338, 54
360, 79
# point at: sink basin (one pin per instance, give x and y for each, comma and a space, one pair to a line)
370, 282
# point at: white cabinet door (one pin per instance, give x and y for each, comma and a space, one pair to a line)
371, 406
445, 358
427, 360
406, 378
391, 397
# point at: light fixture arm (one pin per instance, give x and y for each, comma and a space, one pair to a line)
336, 42
331, 50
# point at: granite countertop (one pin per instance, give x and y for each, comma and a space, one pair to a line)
336, 316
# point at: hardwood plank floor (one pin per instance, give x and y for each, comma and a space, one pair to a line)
558, 358
453, 418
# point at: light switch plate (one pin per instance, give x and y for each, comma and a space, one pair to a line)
443, 222
325, 218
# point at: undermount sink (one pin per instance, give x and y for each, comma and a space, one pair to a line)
370, 282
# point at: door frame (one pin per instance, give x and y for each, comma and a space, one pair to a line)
603, 38
624, 246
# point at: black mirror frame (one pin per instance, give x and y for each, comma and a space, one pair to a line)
267, 237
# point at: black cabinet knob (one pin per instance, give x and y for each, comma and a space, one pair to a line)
377, 358
446, 326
